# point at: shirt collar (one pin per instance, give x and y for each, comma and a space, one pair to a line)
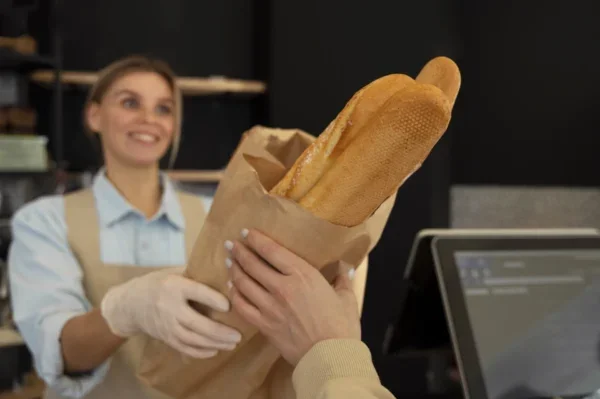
112, 206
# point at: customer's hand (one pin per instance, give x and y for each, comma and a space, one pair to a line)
158, 304
287, 299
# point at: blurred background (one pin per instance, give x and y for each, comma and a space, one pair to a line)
521, 150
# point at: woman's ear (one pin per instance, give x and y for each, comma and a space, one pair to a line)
92, 115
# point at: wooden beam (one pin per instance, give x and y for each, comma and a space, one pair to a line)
190, 86
10, 337
196, 176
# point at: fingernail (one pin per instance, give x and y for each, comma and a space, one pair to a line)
228, 263
228, 245
236, 336
351, 274
229, 284
245, 233
230, 347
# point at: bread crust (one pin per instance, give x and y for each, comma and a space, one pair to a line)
390, 149
444, 74
381, 137
318, 158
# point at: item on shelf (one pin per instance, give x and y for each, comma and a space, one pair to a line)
17, 120
23, 153
24, 44
13, 89
21, 120
3, 120
191, 86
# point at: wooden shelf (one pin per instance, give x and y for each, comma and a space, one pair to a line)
10, 337
190, 86
196, 176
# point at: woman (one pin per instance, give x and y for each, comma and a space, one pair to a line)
93, 271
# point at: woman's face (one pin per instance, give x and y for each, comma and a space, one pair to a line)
135, 119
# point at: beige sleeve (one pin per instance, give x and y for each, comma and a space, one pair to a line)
359, 283
338, 369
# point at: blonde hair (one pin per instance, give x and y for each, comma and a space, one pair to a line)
136, 63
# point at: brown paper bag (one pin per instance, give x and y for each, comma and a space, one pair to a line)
255, 369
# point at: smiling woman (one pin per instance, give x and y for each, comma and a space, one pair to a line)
94, 271
133, 109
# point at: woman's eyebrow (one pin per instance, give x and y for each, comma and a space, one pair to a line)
135, 94
126, 91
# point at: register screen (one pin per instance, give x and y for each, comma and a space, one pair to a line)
535, 316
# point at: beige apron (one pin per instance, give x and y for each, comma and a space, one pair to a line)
84, 240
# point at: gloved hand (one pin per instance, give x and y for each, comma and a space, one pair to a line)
157, 305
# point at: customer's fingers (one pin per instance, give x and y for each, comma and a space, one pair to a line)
282, 259
271, 311
253, 292
245, 309
255, 267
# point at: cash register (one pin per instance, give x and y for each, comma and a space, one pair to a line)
502, 314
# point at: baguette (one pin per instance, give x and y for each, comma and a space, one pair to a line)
318, 158
397, 140
380, 138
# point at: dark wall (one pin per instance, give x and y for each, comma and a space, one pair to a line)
322, 52
198, 38
529, 94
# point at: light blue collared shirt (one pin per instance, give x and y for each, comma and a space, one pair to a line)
45, 277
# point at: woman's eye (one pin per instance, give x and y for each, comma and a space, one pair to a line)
164, 109
130, 103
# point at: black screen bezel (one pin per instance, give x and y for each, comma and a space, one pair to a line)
444, 249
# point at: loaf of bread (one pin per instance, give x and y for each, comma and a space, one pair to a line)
316, 160
381, 137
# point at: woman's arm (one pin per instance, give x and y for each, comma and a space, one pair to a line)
49, 304
78, 332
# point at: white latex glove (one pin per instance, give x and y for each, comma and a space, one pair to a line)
157, 305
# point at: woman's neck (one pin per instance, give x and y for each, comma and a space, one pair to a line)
140, 186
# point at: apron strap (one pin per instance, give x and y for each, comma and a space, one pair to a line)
83, 228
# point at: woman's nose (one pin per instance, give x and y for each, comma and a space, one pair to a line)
148, 115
